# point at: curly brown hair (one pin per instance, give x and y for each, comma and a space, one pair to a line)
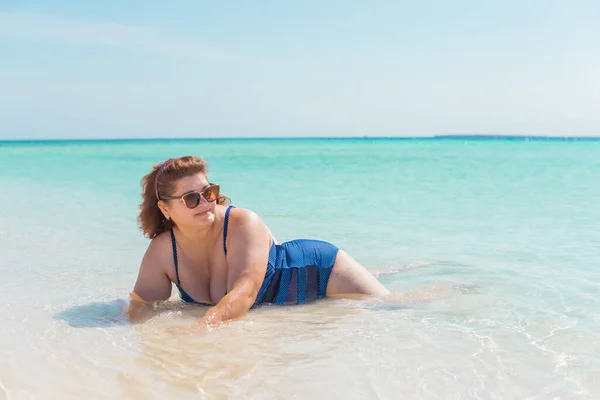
151, 220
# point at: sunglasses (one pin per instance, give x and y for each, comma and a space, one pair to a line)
192, 199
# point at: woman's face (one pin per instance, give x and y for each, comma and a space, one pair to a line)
192, 202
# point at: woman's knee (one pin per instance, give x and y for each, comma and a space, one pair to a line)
348, 276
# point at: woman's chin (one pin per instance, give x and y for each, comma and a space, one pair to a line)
205, 215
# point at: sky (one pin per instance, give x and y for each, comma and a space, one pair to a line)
145, 69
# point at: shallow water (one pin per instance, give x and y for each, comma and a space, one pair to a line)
491, 249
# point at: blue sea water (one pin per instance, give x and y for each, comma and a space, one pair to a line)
492, 246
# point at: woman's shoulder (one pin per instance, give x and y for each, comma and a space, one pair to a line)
240, 215
244, 219
160, 248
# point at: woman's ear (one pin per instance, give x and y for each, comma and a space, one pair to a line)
164, 209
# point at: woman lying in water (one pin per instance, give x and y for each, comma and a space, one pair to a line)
226, 257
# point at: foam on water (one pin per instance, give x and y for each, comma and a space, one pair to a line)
490, 249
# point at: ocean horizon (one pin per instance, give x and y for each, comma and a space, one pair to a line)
482, 137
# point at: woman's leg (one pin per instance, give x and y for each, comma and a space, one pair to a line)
349, 278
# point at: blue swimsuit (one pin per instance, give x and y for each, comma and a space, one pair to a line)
297, 270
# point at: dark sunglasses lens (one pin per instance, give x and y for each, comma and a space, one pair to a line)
192, 200
211, 193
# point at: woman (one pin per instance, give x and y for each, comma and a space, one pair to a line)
226, 257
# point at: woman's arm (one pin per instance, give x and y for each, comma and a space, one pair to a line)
152, 285
247, 258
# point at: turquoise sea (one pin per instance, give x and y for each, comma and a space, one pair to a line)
492, 245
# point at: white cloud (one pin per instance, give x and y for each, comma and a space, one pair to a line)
48, 29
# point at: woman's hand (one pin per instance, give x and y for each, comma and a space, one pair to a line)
119, 314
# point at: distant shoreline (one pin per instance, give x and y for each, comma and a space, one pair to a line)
313, 138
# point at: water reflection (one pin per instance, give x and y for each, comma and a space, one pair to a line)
290, 347
295, 349
263, 345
